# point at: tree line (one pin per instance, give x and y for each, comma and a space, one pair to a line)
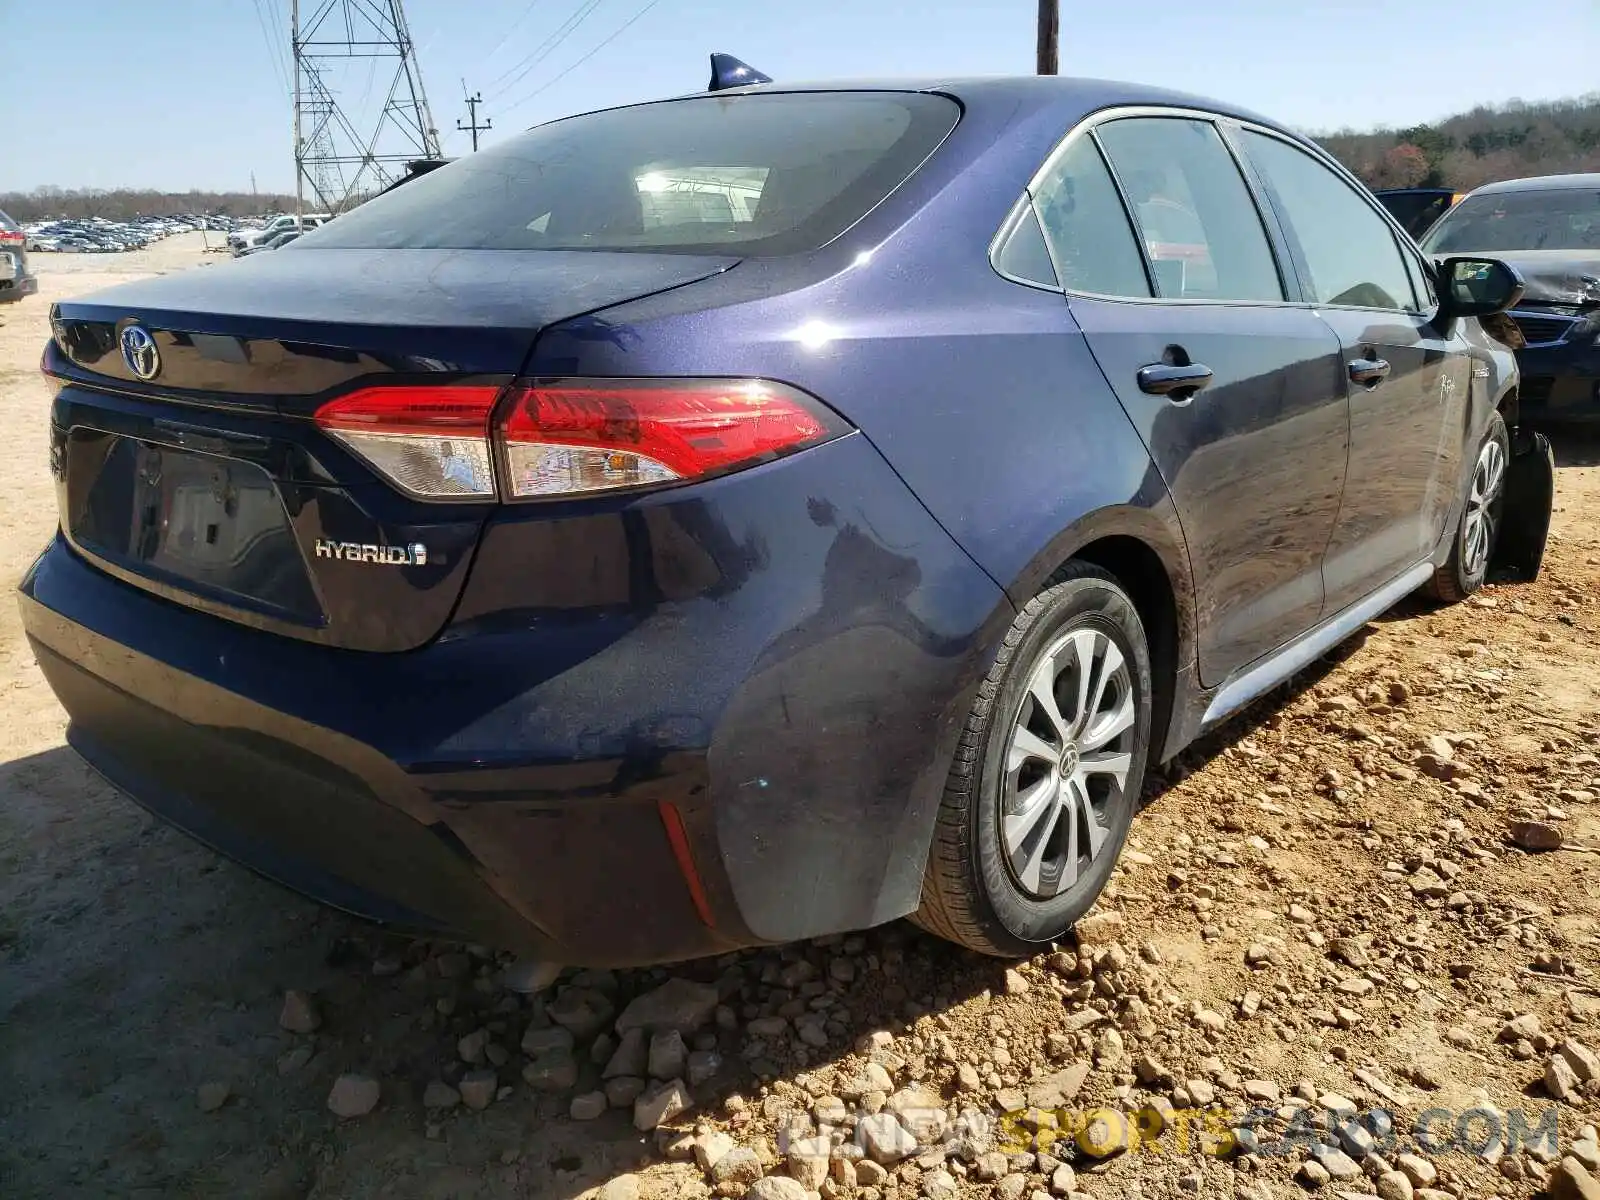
1485, 145
121, 204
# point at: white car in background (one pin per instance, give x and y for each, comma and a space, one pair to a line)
241, 240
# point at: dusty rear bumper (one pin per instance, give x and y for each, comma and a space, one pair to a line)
334, 820
726, 721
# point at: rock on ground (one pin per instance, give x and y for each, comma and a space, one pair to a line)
1100, 928
739, 1167
656, 1108
1572, 1181
808, 1161
299, 1013
588, 1106
478, 1088
212, 1096
353, 1096
629, 1058
680, 1004
884, 1139
776, 1187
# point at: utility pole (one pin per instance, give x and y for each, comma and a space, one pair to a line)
472, 125
1049, 33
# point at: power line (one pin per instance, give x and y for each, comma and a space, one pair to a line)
274, 51
548, 47
510, 29
547, 85
472, 125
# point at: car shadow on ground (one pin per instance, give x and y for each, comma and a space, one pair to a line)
1575, 447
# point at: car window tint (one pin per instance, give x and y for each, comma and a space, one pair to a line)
1200, 226
763, 174
1087, 227
1348, 250
1023, 254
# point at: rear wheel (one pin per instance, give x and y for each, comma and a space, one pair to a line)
1048, 773
1473, 546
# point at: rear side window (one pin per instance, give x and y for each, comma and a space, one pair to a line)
1200, 227
1087, 227
1350, 251
764, 174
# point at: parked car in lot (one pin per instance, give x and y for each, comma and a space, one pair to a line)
281, 238
621, 581
1417, 209
241, 240
1549, 229
16, 280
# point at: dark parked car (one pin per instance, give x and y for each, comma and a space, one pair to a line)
527, 558
1417, 209
1548, 228
16, 281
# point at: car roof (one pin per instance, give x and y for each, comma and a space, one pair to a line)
1074, 97
1541, 183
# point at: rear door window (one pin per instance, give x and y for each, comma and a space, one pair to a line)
763, 174
1200, 227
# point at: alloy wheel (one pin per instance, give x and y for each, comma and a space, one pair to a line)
1067, 762
1477, 532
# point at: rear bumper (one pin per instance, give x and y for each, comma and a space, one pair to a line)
1561, 383
16, 289
728, 724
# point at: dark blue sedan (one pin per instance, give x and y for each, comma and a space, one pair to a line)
756, 515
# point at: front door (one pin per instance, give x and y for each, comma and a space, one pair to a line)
1237, 393
1407, 381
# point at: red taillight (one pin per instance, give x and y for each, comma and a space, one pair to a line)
11, 238
432, 442
571, 436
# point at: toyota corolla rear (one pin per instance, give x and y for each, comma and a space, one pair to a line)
393, 565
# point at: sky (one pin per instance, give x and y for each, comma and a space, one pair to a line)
174, 94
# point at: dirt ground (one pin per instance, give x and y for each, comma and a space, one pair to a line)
1309, 912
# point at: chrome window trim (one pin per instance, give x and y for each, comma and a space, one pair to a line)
1024, 204
1403, 241
1085, 128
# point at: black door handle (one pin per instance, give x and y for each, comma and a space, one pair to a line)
1163, 379
1370, 371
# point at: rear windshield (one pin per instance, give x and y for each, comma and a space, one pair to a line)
765, 174
1558, 219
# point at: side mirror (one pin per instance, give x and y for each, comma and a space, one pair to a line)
1477, 287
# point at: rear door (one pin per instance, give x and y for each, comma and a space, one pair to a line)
1407, 381
1238, 394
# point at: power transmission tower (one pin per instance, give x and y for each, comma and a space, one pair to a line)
1049, 33
472, 117
333, 157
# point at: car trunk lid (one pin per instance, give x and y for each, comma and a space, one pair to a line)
186, 456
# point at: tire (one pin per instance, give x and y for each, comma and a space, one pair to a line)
1003, 888
1472, 543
